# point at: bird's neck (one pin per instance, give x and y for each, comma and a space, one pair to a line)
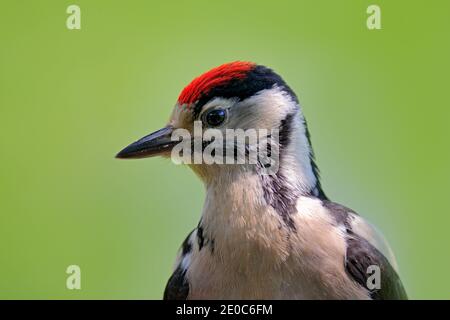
243, 208
237, 223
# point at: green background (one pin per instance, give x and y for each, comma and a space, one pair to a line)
377, 103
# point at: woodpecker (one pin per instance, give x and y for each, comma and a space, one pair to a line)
272, 236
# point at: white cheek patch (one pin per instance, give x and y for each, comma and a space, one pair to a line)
264, 110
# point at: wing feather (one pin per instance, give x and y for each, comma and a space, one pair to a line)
366, 247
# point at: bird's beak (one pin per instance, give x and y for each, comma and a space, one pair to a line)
156, 143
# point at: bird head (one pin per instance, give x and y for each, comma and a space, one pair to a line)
236, 95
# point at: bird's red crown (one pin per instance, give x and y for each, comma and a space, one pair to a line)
217, 76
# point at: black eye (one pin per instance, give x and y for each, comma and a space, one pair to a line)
216, 117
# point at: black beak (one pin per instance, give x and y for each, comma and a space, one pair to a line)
156, 143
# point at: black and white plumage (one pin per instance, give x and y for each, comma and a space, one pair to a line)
268, 236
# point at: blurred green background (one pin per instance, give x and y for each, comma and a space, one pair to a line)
377, 103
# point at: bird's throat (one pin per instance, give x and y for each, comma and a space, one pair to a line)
237, 220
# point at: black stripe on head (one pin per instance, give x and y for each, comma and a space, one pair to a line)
259, 78
186, 247
203, 239
276, 190
318, 188
200, 237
